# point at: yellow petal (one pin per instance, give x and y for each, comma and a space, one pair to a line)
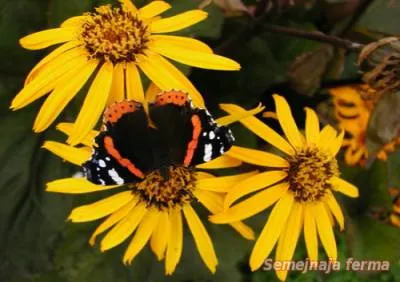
223, 161
175, 242
68, 128
312, 126
213, 202
344, 187
244, 230
165, 41
166, 76
152, 92
203, 175
195, 58
257, 157
310, 233
101, 208
327, 135
113, 219
336, 144
93, 105
335, 209
54, 55
142, 235
260, 128
48, 37
75, 186
63, 61
49, 77
178, 22
271, 231
222, 183
76, 22
71, 154
287, 122
290, 235
226, 120
395, 220
129, 6
253, 184
202, 239
153, 9
252, 205
117, 91
124, 228
325, 231
160, 236
63, 94
134, 88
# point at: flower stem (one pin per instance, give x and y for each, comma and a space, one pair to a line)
315, 36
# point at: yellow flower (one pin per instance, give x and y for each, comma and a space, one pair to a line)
394, 217
153, 209
353, 106
299, 184
111, 45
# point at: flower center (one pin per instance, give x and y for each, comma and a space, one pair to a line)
167, 188
114, 34
309, 173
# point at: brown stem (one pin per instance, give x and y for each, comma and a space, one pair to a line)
316, 36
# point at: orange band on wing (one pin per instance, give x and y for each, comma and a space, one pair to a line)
109, 145
192, 145
116, 110
175, 97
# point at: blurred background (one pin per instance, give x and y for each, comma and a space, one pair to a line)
37, 244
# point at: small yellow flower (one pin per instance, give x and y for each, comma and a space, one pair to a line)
111, 45
353, 107
299, 184
152, 209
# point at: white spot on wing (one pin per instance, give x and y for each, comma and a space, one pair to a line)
108, 159
207, 152
115, 176
78, 174
102, 182
222, 150
211, 135
102, 163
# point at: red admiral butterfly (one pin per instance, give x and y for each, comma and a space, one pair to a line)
130, 146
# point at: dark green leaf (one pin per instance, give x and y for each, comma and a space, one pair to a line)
384, 123
381, 16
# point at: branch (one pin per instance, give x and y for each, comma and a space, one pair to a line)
316, 36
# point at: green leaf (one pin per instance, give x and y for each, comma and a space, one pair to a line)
393, 169
384, 123
375, 240
381, 16
31, 218
308, 69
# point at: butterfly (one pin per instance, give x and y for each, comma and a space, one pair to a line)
135, 141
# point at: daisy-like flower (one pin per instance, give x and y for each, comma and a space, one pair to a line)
112, 45
353, 107
153, 193
300, 184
